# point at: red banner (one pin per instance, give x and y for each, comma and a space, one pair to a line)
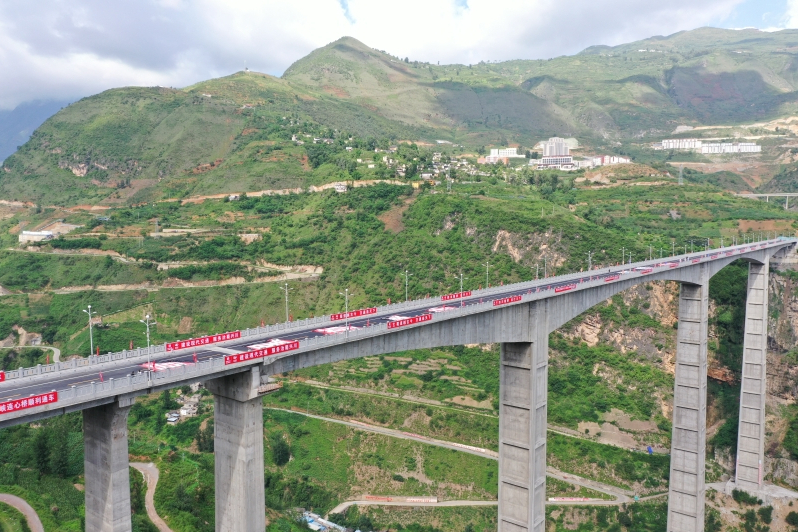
353, 314
260, 353
564, 288
728, 253
205, 340
697, 260
458, 295
612, 278
2, 376
409, 321
506, 300
29, 402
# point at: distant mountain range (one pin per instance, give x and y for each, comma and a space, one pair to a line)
17, 125
604, 95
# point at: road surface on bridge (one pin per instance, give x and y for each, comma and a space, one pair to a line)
547, 287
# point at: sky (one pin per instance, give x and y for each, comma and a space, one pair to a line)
67, 49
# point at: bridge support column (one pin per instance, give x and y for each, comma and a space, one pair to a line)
238, 448
688, 445
522, 434
751, 433
107, 472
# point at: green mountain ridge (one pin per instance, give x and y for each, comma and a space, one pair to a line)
136, 144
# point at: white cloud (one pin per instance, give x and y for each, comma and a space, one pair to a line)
790, 19
56, 49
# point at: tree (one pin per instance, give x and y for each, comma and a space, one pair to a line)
792, 519
41, 450
281, 453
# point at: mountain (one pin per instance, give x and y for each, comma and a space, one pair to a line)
135, 144
17, 125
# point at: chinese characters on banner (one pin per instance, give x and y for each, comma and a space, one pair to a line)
353, 314
29, 402
260, 353
409, 321
205, 340
458, 295
506, 300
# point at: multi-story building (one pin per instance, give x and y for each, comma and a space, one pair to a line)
506, 152
555, 147
681, 144
558, 162
731, 147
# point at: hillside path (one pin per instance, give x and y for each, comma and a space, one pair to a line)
34, 523
344, 505
621, 495
150, 472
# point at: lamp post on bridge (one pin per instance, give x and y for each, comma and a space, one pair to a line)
146, 321
407, 276
286, 290
91, 336
461, 287
345, 293
487, 272
589, 260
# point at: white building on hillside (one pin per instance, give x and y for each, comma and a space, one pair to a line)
505, 152
731, 147
555, 147
681, 144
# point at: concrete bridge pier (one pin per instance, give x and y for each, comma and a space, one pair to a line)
238, 447
688, 444
107, 472
523, 382
751, 433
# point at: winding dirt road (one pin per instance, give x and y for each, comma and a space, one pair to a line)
34, 523
150, 472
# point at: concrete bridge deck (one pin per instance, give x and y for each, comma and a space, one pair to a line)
519, 316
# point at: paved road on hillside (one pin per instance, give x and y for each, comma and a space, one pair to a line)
34, 523
621, 495
341, 508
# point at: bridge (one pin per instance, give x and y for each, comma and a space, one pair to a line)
520, 317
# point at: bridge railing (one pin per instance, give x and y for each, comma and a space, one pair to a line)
267, 331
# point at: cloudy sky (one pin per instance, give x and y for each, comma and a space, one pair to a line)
65, 49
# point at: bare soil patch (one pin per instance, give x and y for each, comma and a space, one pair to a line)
393, 217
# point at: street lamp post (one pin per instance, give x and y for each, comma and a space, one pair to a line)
461, 287
487, 273
146, 321
345, 293
589, 260
407, 277
91, 336
286, 290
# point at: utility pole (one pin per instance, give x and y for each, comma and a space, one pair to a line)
345, 293
461, 287
487, 273
91, 337
407, 277
286, 290
146, 321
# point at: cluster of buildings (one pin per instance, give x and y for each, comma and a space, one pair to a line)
189, 407
557, 156
699, 146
